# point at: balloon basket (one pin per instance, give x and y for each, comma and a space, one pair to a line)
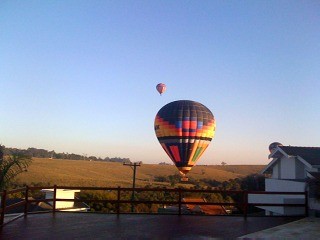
184, 179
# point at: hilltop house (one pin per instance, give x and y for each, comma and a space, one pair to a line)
291, 170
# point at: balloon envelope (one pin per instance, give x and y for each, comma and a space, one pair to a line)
184, 129
161, 88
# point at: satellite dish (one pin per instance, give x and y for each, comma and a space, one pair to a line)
274, 145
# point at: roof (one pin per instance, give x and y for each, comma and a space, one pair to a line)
206, 209
309, 154
33, 207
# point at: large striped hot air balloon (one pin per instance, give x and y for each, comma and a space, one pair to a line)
184, 129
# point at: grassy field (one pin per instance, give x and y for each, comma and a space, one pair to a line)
107, 174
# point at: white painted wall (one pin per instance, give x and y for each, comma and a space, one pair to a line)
279, 185
288, 168
276, 185
281, 199
284, 173
61, 194
276, 170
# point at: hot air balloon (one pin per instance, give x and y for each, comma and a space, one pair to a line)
184, 129
161, 88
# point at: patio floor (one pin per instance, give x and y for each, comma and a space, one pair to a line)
135, 226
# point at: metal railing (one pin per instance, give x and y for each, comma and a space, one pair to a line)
179, 193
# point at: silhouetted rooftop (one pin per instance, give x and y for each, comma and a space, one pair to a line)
310, 154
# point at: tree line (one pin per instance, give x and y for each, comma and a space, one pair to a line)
42, 153
254, 182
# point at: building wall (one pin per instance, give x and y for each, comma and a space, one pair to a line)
64, 195
61, 194
276, 171
300, 170
314, 204
288, 175
288, 168
278, 185
279, 199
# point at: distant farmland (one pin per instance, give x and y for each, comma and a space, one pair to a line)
109, 174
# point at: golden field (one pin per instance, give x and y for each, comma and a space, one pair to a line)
109, 174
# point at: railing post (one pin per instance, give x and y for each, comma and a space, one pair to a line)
3, 206
306, 202
26, 201
245, 204
180, 197
118, 201
54, 199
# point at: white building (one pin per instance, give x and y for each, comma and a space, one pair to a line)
289, 171
65, 205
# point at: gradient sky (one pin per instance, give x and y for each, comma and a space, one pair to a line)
79, 76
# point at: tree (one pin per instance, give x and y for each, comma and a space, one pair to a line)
223, 163
253, 182
11, 165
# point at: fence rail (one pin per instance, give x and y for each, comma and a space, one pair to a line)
242, 204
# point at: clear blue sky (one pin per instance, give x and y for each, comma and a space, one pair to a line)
80, 76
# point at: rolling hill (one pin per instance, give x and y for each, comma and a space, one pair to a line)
110, 174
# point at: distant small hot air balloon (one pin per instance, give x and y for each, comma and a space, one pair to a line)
161, 88
184, 129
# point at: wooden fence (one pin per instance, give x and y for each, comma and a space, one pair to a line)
243, 204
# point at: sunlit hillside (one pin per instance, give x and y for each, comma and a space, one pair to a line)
93, 173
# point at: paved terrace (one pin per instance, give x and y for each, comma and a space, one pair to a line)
136, 226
